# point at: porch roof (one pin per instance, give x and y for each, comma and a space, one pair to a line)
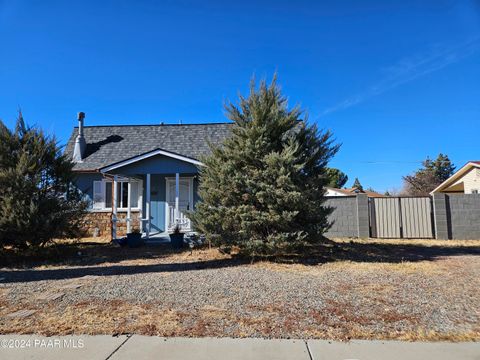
108, 145
157, 161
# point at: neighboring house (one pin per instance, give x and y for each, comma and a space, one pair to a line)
140, 176
350, 192
465, 181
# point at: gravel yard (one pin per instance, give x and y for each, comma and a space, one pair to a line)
382, 290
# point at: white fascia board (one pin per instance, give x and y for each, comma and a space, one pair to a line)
148, 155
455, 176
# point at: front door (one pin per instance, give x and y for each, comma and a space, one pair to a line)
157, 205
185, 202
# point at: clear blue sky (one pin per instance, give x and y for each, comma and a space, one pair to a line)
395, 81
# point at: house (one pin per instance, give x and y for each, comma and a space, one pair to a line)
140, 176
350, 192
465, 181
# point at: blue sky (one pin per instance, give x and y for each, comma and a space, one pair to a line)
395, 81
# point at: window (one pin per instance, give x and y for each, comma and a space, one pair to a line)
108, 194
103, 194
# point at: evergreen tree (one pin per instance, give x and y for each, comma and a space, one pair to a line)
263, 189
336, 178
37, 199
429, 176
442, 167
357, 185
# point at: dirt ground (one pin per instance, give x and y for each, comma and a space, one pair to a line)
364, 289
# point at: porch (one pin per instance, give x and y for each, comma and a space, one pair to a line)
161, 186
163, 203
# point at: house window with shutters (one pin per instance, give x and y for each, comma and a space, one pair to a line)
103, 195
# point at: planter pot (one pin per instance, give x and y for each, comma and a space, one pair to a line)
176, 240
134, 240
121, 241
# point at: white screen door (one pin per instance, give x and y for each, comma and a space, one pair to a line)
185, 197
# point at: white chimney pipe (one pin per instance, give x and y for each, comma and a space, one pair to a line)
80, 143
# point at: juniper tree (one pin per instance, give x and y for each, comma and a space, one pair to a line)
37, 199
263, 189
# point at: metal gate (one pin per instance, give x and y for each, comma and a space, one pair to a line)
401, 217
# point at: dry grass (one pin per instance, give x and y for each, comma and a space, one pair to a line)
363, 308
408, 256
85, 240
120, 317
406, 267
416, 242
100, 251
337, 252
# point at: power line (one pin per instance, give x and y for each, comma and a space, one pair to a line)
373, 162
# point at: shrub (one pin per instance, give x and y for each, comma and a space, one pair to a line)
38, 201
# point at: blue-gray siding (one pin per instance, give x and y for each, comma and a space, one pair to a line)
157, 165
84, 182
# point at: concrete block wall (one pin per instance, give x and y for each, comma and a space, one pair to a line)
456, 216
463, 216
344, 216
440, 217
363, 216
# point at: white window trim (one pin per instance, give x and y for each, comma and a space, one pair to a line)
120, 209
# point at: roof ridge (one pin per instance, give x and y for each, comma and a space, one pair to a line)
135, 125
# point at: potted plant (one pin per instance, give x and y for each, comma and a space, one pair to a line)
176, 237
134, 239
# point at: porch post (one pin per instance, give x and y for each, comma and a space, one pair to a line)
147, 205
129, 207
177, 195
114, 208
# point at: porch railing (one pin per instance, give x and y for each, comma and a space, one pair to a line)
174, 218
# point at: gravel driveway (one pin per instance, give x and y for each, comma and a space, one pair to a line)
201, 294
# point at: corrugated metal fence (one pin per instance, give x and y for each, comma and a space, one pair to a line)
401, 217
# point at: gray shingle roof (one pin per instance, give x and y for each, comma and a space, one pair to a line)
110, 144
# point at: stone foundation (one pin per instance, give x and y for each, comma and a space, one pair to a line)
99, 224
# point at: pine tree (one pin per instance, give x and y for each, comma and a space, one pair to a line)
263, 190
429, 176
337, 178
357, 185
442, 167
37, 199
